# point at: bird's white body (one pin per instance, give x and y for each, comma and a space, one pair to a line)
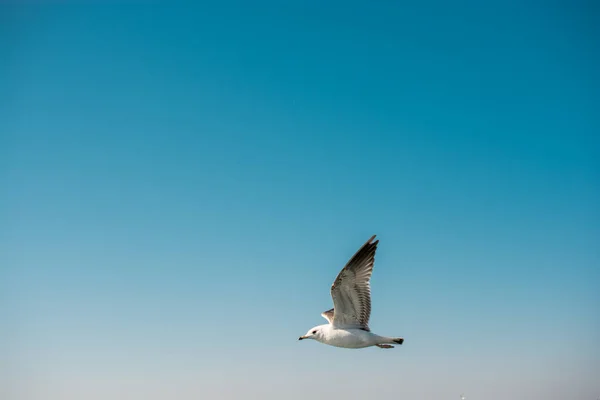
348, 338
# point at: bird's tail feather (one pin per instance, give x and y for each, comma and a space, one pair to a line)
390, 340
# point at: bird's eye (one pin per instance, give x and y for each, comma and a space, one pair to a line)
314, 332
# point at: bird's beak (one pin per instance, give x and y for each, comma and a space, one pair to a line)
302, 337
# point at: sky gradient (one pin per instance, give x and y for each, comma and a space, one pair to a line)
179, 186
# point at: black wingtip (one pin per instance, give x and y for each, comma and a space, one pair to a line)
371, 242
399, 340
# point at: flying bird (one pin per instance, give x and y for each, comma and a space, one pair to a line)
349, 318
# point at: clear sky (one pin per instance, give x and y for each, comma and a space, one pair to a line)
180, 185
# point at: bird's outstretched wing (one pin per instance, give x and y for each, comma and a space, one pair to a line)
351, 290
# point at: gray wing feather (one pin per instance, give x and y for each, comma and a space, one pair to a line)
328, 315
351, 290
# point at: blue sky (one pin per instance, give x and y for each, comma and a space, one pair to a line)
181, 185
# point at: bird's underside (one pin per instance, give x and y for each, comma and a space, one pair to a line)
328, 315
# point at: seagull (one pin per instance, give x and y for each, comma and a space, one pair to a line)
348, 325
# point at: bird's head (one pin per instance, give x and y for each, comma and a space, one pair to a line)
315, 333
